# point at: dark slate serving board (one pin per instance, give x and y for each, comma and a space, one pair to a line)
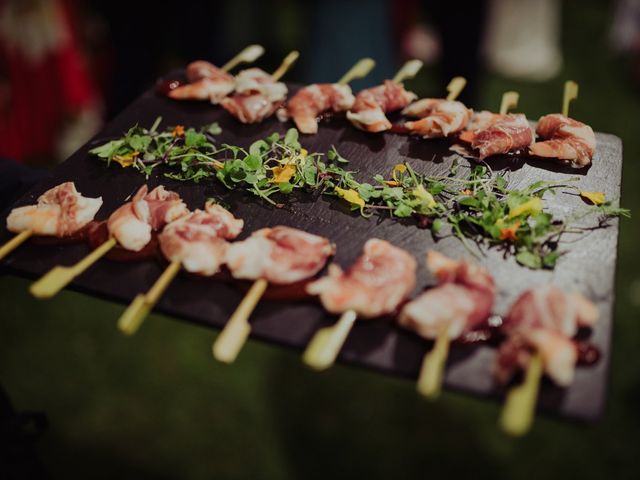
588, 266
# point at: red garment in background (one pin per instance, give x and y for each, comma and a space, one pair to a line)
39, 96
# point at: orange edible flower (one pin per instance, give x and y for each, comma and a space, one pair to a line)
509, 233
466, 191
178, 131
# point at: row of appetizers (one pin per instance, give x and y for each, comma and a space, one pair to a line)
253, 95
540, 326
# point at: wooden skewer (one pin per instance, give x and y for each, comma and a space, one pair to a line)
409, 70
136, 312
570, 94
432, 371
249, 55
519, 407
456, 85
59, 277
14, 243
360, 70
288, 61
234, 335
509, 101
325, 345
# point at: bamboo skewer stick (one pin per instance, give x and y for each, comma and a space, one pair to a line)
509, 101
409, 70
360, 70
456, 85
327, 342
570, 94
235, 332
136, 312
249, 55
432, 371
14, 243
59, 277
286, 64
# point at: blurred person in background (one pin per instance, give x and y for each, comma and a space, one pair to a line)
49, 104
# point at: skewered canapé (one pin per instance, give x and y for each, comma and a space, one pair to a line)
437, 117
131, 224
313, 100
462, 301
544, 319
257, 96
281, 255
565, 139
381, 278
206, 82
494, 134
199, 240
60, 212
372, 104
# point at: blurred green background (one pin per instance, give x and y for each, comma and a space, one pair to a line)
158, 406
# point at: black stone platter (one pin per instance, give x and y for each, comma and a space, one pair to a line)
588, 264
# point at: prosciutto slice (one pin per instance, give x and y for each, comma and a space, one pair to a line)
206, 82
565, 139
257, 96
199, 240
371, 105
61, 211
281, 255
131, 224
544, 319
437, 117
375, 284
462, 301
311, 101
500, 134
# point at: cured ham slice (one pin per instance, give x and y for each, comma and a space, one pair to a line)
375, 284
565, 139
500, 134
437, 117
371, 105
257, 96
199, 240
206, 82
311, 101
61, 211
281, 255
462, 301
131, 224
545, 319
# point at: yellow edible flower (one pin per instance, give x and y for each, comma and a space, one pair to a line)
530, 207
283, 174
126, 160
398, 168
421, 193
597, 198
350, 196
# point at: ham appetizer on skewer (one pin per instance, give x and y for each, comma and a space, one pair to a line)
565, 139
372, 104
499, 133
375, 285
130, 226
258, 95
311, 101
279, 255
208, 82
61, 212
539, 326
439, 117
198, 243
462, 301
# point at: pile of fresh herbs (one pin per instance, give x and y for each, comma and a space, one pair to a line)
474, 207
